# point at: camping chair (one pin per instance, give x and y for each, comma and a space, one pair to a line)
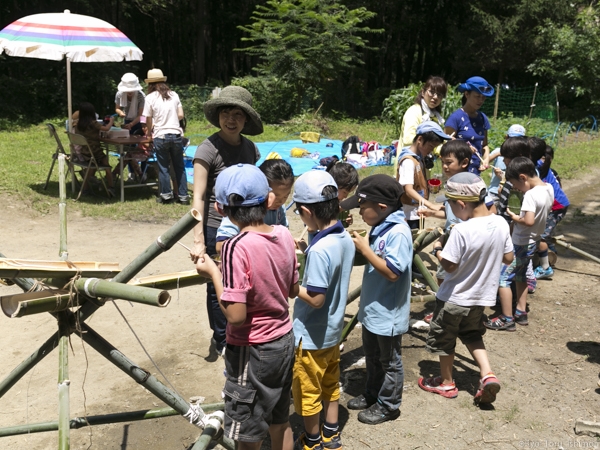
59, 150
85, 164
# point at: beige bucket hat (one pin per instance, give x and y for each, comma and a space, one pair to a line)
235, 96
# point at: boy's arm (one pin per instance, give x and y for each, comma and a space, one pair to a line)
314, 299
294, 290
528, 219
410, 191
448, 266
379, 264
234, 312
439, 214
508, 258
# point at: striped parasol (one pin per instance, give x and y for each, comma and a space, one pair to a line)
77, 38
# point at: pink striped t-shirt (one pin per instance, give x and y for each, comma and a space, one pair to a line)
259, 269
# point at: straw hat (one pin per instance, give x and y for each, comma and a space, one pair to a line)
129, 83
155, 76
235, 96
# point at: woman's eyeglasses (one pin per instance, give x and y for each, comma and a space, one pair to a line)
434, 94
485, 89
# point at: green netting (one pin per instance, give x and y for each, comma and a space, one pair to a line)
518, 101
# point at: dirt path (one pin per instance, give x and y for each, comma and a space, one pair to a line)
549, 370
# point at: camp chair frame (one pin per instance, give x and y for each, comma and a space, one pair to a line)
86, 165
59, 150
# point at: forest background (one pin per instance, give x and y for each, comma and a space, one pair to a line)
346, 56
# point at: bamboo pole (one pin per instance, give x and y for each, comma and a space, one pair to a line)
81, 422
575, 249
496, 102
93, 287
171, 280
353, 295
533, 101
424, 239
349, 327
26, 304
140, 375
27, 364
62, 207
210, 432
63, 385
422, 298
163, 243
418, 262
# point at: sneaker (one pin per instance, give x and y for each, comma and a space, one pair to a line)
489, 386
540, 272
428, 317
333, 442
300, 444
377, 414
183, 201
436, 386
360, 402
531, 285
501, 324
521, 319
164, 201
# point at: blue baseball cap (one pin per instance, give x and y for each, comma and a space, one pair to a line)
430, 125
516, 130
309, 187
245, 180
477, 84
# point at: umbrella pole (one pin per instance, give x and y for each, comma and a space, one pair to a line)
69, 100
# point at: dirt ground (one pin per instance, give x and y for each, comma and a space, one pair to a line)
548, 370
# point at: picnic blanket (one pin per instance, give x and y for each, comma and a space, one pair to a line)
283, 148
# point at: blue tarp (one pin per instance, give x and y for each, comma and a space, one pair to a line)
300, 165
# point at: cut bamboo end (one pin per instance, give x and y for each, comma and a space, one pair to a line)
49, 300
164, 299
196, 214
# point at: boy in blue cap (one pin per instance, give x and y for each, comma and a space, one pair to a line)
259, 274
412, 173
385, 299
319, 316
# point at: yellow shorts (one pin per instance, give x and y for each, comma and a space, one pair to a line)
316, 379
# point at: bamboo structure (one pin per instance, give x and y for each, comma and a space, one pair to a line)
63, 385
62, 207
418, 262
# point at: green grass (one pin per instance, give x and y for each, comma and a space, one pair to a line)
26, 155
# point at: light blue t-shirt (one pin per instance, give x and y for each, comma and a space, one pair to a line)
329, 260
385, 305
227, 229
495, 181
451, 219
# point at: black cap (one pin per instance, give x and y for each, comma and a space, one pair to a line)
378, 188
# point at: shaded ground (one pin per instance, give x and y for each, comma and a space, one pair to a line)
548, 370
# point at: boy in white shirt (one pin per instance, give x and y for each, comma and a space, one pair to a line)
472, 259
528, 229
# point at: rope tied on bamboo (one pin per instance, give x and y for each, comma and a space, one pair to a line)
196, 415
74, 297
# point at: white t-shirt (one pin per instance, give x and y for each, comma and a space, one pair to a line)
163, 114
477, 246
406, 175
538, 200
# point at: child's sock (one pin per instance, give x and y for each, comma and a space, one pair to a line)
507, 318
518, 312
312, 440
544, 259
330, 429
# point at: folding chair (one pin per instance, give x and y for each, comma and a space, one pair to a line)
86, 164
59, 150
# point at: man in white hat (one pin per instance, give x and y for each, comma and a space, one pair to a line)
129, 102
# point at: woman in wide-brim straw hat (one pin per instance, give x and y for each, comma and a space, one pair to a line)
233, 114
163, 111
470, 124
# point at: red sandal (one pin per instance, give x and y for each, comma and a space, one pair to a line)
436, 386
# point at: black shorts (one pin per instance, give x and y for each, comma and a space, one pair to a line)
258, 386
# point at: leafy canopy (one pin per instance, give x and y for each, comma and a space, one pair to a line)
572, 52
307, 42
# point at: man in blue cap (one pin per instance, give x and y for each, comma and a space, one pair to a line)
412, 174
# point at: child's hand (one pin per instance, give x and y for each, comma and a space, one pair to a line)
425, 212
498, 172
301, 244
349, 221
361, 242
206, 267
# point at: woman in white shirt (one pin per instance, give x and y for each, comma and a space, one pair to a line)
163, 112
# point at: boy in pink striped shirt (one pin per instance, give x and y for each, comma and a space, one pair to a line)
258, 274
